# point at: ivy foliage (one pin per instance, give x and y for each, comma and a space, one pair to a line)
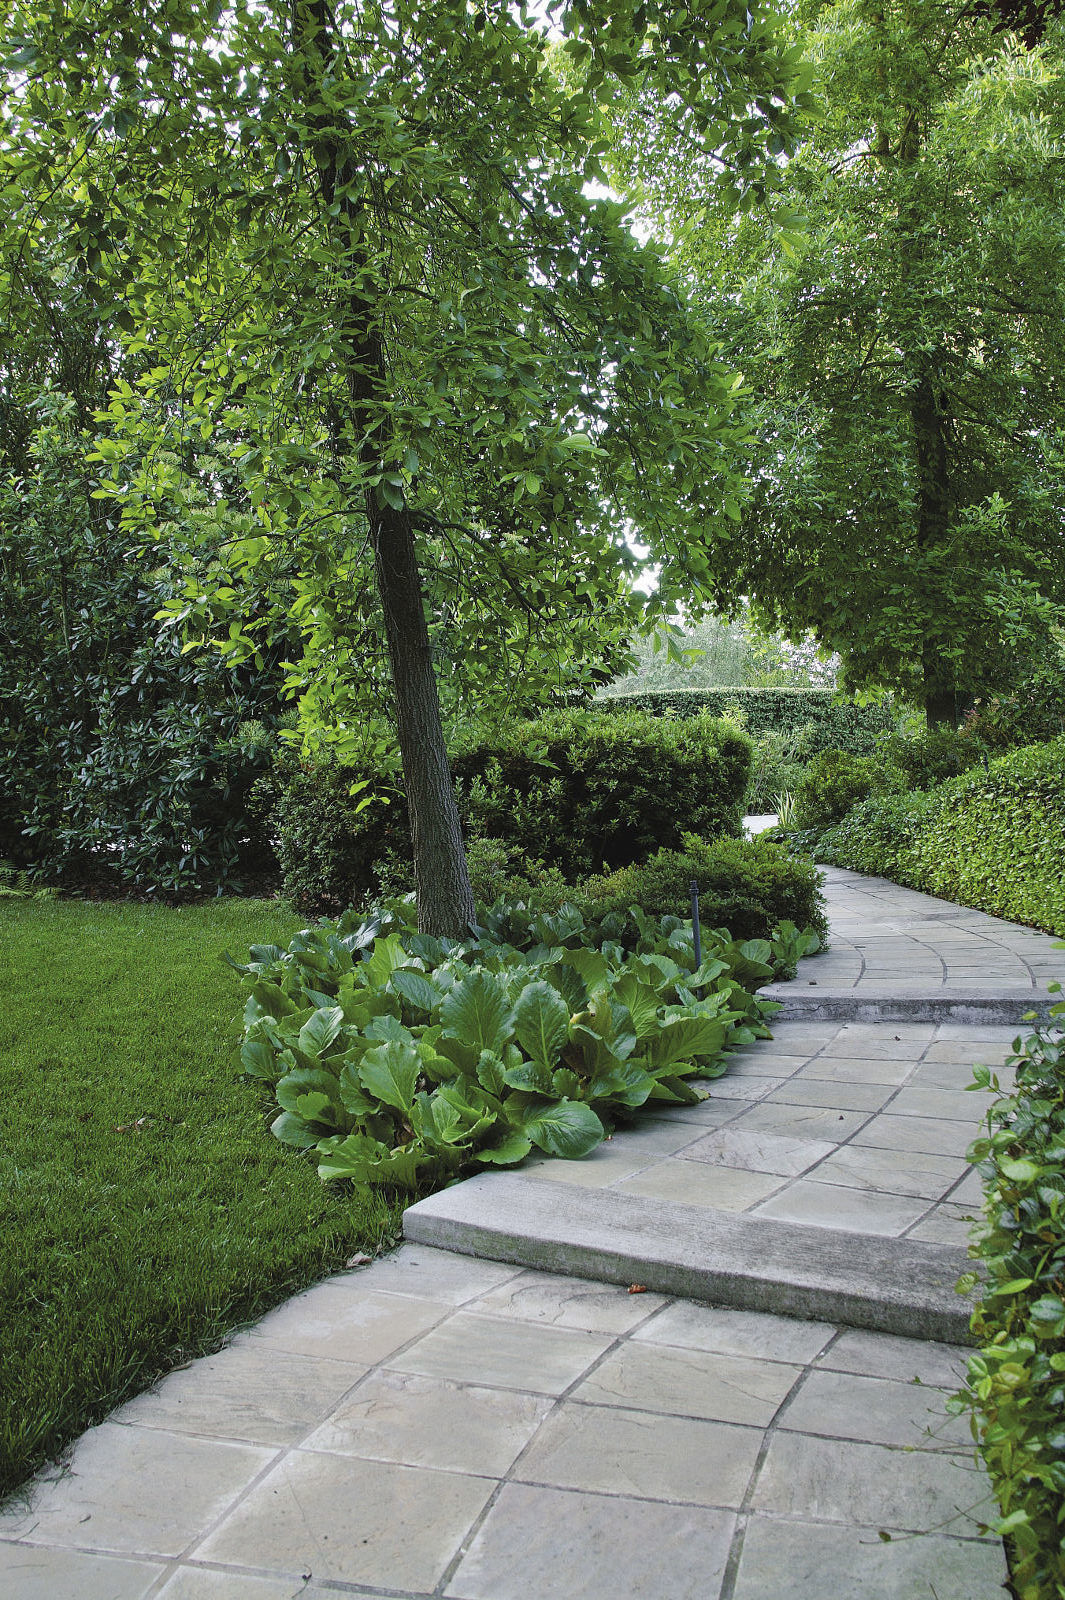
404, 1059
991, 838
1016, 1380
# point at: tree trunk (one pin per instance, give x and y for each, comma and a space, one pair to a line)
445, 899
442, 881
933, 525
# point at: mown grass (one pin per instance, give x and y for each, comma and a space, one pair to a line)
145, 1211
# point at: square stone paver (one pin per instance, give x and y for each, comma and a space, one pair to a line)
694, 1183
802, 1122
956, 1105
911, 1172
421, 1271
30, 1573
736, 1333
135, 1489
845, 1481
637, 1453
248, 1391
846, 1405
202, 1583
889, 1132
502, 1352
806, 1561
758, 1152
690, 1383
561, 1302
430, 1422
831, 1205
837, 1096
365, 1522
560, 1545
851, 1069
946, 1224
764, 1062
348, 1321
885, 1355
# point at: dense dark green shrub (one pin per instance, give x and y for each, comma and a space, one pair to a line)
584, 789
1016, 1379
832, 783
877, 835
922, 760
823, 721
330, 825
745, 885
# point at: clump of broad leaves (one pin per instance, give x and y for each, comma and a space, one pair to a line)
405, 1059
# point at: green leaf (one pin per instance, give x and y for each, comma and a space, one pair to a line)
515, 1147
568, 1129
390, 1072
683, 1039
531, 1076
293, 1130
477, 1012
259, 1059
320, 1030
541, 1022
416, 989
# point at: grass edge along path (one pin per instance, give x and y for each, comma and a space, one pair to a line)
144, 1211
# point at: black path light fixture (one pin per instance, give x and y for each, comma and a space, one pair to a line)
696, 936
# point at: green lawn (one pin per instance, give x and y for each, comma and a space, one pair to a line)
144, 1208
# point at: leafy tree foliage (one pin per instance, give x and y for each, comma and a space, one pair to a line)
908, 490
352, 247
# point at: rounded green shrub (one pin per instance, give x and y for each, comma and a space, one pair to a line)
581, 790
930, 757
745, 885
833, 782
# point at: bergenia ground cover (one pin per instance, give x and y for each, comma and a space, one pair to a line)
406, 1059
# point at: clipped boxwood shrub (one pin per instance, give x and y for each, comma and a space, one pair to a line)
832, 783
584, 789
1016, 1380
330, 825
996, 839
824, 721
748, 886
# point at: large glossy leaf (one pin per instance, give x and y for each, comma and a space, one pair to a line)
309, 1092
320, 1030
365, 1160
683, 1039
416, 989
259, 1058
627, 1084
566, 1128
513, 1148
641, 1001
388, 954
390, 1072
541, 1022
477, 1012
291, 1129
530, 1076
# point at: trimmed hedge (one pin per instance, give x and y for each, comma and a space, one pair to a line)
992, 839
748, 886
581, 790
832, 783
824, 721
571, 791
1016, 1380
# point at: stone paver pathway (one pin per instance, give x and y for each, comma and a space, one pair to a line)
439, 1424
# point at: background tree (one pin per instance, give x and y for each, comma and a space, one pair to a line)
353, 244
907, 494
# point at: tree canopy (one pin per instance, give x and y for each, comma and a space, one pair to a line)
371, 322
908, 489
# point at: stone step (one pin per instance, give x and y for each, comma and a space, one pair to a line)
898, 1286
936, 1005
